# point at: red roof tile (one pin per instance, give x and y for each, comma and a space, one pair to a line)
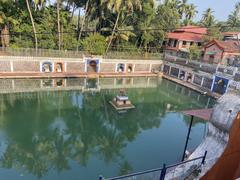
227, 46
193, 29
230, 33
188, 33
185, 36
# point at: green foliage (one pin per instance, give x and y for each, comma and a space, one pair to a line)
213, 33
168, 18
133, 22
194, 52
208, 19
145, 20
126, 46
95, 44
234, 17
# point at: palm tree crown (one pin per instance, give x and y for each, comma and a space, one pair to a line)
208, 18
118, 7
234, 17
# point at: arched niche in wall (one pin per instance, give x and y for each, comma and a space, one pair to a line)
46, 67
189, 77
129, 68
220, 84
59, 67
92, 66
120, 67
182, 74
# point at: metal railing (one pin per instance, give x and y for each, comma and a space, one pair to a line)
186, 169
30, 52
134, 55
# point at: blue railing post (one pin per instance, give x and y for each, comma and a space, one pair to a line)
163, 172
204, 157
100, 177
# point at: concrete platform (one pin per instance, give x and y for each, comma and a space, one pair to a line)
124, 107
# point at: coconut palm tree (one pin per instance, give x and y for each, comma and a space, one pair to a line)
208, 18
5, 20
190, 13
83, 22
33, 25
58, 24
4, 30
39, 3
118, 7
36, 3
234, 17
98, 12
172, 3
182, 8
123, 31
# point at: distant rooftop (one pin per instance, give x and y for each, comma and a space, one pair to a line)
186, 36
188, 33
192, 29
230, 33
227, 46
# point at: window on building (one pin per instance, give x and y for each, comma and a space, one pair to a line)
175, 43
199, 44
169, 42
184, 42
191, 43
211, 58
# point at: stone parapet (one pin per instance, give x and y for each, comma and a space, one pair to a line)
42, 65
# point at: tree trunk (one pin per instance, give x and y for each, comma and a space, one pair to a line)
74, 8
4, 36
62, 36
33, 25
78, 21
114, 29
82, 25
68, 5
58, 24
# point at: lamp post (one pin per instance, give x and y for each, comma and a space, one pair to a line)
186, 143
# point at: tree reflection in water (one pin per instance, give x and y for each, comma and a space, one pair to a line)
92, 128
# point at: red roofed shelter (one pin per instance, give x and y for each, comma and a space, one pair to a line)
181, 39
222, 52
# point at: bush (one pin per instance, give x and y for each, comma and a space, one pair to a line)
194, 52
95, 44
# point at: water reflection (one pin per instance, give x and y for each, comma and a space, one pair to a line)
46, 131
84, 84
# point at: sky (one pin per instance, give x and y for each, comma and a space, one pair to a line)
221, 8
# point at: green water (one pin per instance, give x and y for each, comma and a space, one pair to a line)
74, 135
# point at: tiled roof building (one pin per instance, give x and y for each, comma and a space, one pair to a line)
181, 39
221, 51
